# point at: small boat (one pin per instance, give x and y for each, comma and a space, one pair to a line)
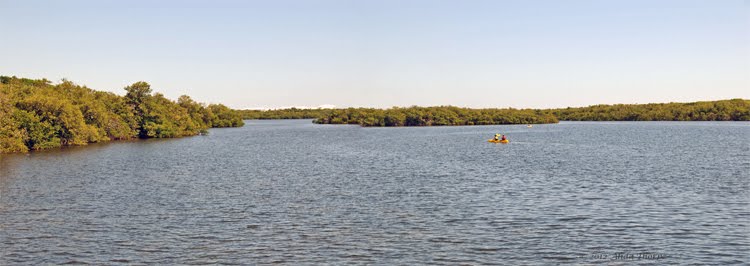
503, 141
529, 126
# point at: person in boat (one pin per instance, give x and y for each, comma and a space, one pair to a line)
497, 136
501, 138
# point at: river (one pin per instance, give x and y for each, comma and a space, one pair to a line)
289, 191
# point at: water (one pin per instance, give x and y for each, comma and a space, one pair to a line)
298, 193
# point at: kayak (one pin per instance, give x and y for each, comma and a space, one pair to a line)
498, 141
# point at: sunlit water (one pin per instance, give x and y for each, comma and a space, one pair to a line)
298, 193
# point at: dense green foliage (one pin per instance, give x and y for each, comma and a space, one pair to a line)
36, 114
726, 110
291, 113
433, 116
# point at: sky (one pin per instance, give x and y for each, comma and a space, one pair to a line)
383, 53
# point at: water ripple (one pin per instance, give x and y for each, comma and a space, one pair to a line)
290, 192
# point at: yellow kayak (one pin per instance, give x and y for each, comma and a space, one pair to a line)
498, 141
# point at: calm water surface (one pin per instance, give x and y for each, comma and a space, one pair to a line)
297, 193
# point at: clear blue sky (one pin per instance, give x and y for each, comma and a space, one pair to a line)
382, 53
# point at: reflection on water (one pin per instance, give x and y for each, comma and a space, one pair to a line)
293, 192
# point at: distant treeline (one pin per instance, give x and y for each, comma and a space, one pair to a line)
410, 116
291, 113
36, 114
433, 116
725, 110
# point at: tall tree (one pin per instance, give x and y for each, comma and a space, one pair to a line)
137, 95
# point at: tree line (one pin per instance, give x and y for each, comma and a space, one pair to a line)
724, 110
432, 116
409, 116
36, 114
289, 113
